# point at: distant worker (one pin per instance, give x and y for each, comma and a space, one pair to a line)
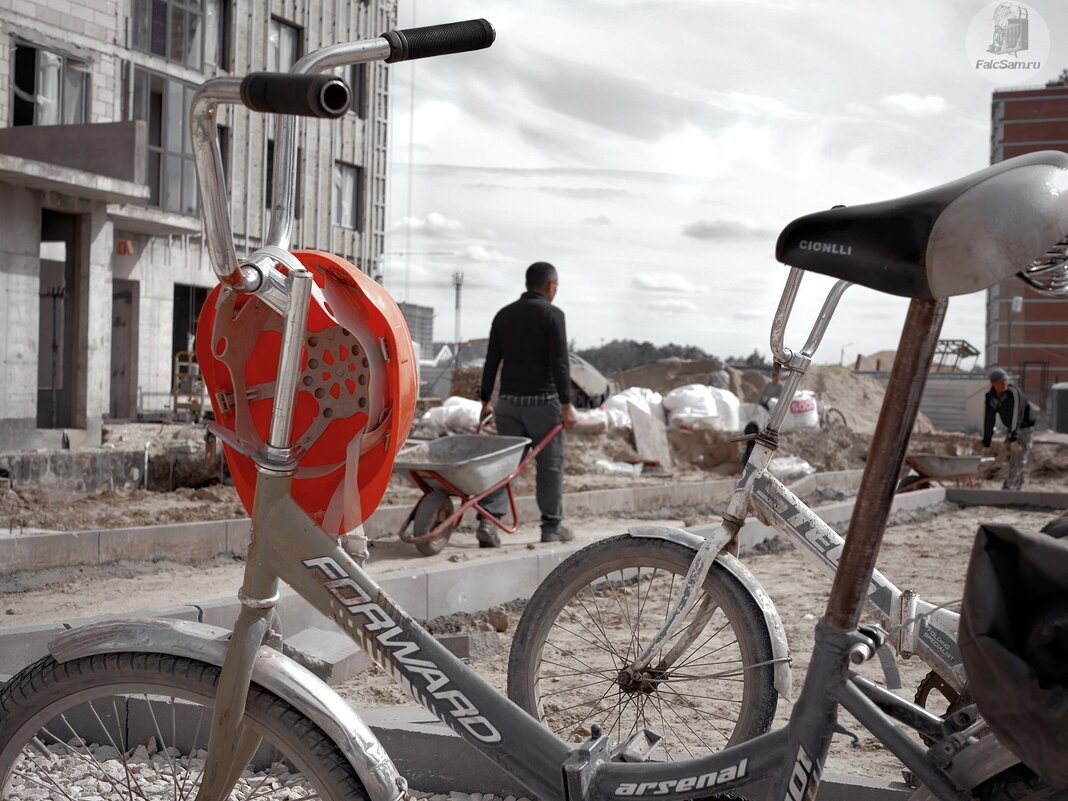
1005, 400
772, 392
529, 337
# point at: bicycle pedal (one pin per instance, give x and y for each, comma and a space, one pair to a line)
638, 747
840, 729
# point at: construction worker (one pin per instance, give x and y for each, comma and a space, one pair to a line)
1005, 400
529, 337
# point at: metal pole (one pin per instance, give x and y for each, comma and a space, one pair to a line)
458, 282
885, 456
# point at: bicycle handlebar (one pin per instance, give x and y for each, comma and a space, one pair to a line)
439, 40
304, 95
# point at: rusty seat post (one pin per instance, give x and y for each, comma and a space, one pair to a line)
885, 457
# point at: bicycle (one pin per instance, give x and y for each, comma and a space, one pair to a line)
162, 690
548, 673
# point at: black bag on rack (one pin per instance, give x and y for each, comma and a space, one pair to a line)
1014, 640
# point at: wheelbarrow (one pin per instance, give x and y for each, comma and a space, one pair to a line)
932, 468
466, 466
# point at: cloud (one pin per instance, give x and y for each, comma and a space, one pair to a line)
435, 224
914, 105
751, 314
724, 229
600, 219
673, 306
480, 253
586, 192
665, 282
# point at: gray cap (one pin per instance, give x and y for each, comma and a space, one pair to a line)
997, 374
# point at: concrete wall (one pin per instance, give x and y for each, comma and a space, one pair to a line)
20, 210
955, 403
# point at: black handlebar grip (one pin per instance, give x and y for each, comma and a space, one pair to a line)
303, 95
439, 40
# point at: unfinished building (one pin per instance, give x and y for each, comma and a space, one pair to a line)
102, 264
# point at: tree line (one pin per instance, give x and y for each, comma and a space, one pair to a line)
626, 354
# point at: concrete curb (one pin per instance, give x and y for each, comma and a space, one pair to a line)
984, 497
187, 542
208, 539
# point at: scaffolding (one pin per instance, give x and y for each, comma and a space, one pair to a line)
949, 353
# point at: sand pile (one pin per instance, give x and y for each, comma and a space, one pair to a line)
858, 397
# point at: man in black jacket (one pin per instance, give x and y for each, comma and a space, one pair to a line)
529, 337
1005, 400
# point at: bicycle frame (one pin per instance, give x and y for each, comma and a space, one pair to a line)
286, 545
916, 627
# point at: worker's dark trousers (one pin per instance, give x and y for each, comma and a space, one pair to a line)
534, 421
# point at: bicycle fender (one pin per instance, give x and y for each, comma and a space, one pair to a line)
776, 631
273, 671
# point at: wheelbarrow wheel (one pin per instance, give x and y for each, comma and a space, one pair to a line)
910, 483
433, 509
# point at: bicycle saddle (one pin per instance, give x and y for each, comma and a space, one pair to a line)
953, 239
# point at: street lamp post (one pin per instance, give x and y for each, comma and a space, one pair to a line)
841, 360
457, 282
1015, 307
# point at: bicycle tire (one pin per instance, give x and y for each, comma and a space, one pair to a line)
833, 418
93, 715
608, 569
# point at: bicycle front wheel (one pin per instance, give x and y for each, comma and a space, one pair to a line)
712, 685
135, 726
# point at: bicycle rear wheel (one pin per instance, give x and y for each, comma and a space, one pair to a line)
135, 725
711, 686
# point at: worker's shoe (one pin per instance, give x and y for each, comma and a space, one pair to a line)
558, 533
487, 535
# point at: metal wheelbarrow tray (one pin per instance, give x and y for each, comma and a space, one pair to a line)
933, 467
472, 463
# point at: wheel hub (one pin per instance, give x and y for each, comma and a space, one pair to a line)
642, 681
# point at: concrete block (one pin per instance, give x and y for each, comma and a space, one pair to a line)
221, 612
22, 645
40, 551
237, 534
472, 645
407, 590
329, 654
549, 558
297, 614
480, 584
182, 542
982, 497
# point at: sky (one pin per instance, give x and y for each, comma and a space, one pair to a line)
652, 150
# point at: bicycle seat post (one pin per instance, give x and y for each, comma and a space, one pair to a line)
885, 457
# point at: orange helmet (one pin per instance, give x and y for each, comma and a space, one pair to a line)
355, 394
